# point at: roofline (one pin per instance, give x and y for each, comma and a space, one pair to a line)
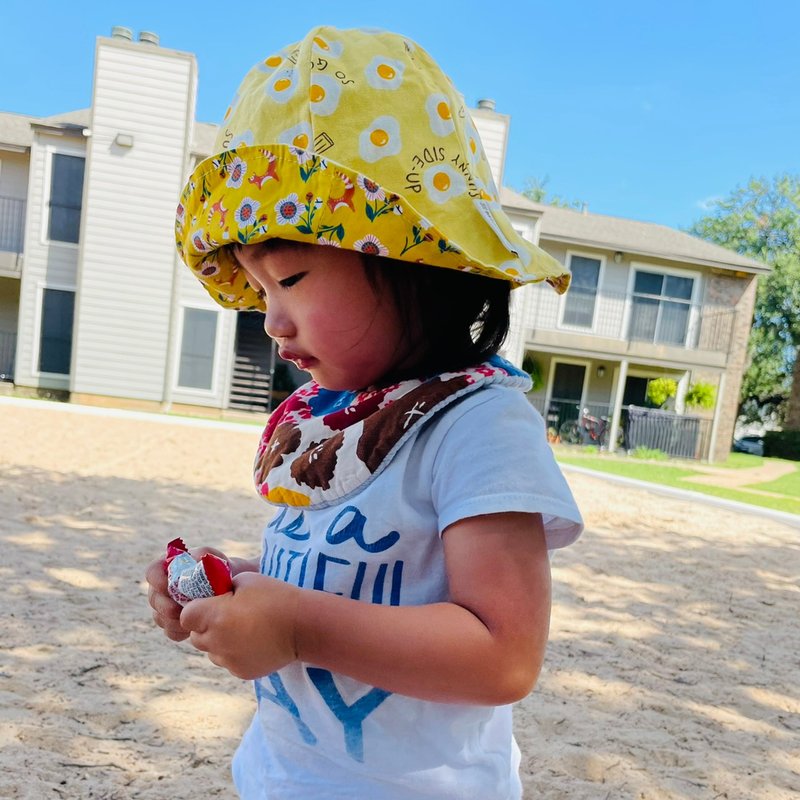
523, 212
665, 255
60, 129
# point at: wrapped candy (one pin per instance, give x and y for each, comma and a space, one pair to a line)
188, 579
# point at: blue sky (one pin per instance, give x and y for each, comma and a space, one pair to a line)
644, 109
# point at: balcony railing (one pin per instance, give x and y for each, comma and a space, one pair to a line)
8, 346
634, 318
12, 224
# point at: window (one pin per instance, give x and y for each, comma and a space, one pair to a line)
55, 339
197, 348
66, 193
580, 300
661, 308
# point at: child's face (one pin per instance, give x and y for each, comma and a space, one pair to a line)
325, 315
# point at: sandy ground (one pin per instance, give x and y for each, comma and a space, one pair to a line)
672, 671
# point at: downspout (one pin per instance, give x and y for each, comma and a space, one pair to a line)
172, 341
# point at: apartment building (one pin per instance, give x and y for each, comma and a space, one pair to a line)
95, 304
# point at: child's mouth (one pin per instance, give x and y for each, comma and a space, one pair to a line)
301, 362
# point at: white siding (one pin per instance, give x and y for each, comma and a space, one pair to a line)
543, 304
124, 310
493, 130
192, 295
514, 347
46, 264
13, 174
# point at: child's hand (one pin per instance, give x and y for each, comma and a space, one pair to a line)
250, 631
166, 612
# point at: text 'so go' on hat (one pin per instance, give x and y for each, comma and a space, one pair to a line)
354, 139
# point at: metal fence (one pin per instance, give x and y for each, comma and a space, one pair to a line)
8, 346
12, 224
560, 411
679, 435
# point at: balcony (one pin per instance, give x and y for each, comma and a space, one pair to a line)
632, 324
12, 228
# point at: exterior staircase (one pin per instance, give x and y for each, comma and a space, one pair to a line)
251, 370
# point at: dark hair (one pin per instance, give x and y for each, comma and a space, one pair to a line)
461, 317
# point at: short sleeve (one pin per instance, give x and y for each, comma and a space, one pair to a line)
493, 456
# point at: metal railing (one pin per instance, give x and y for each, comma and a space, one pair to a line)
12, 224
8, 346
683, 436
679, 435
560, 411
634, 317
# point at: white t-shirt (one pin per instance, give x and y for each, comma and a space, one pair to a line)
324, 735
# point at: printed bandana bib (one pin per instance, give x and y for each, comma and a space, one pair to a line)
321, 446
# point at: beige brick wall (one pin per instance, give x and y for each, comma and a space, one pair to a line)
741, 293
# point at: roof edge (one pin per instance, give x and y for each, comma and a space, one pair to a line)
754, 267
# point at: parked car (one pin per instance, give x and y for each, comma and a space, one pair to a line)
754, 445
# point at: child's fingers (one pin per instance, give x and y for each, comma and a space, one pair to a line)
156, 575
194, 616
166, 612
198, 552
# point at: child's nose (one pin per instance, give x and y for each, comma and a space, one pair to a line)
277, 323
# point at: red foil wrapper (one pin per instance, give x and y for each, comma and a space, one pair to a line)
188, 579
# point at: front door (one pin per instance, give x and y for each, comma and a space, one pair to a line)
566, 394
635, 393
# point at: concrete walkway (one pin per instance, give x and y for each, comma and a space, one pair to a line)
792, 520
734, 478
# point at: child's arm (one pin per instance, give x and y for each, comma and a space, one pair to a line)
485, 646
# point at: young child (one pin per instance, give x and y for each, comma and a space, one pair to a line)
401, 601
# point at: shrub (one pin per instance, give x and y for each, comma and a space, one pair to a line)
531, 366
782, 444
701, 395
660, 390
650, 453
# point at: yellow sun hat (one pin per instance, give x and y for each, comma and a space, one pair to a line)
354, 139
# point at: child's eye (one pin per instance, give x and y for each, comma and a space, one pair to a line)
292, 280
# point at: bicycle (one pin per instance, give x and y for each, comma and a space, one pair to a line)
588, 429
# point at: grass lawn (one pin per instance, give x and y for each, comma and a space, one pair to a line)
786, 484
783, 492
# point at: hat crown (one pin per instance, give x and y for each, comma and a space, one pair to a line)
354, 138
370, 100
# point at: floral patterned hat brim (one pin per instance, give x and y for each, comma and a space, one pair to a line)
255, 193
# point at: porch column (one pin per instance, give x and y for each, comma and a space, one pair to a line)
712, 445
619, 391
680, 394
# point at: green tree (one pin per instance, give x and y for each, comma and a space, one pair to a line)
536, 190
762, 220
